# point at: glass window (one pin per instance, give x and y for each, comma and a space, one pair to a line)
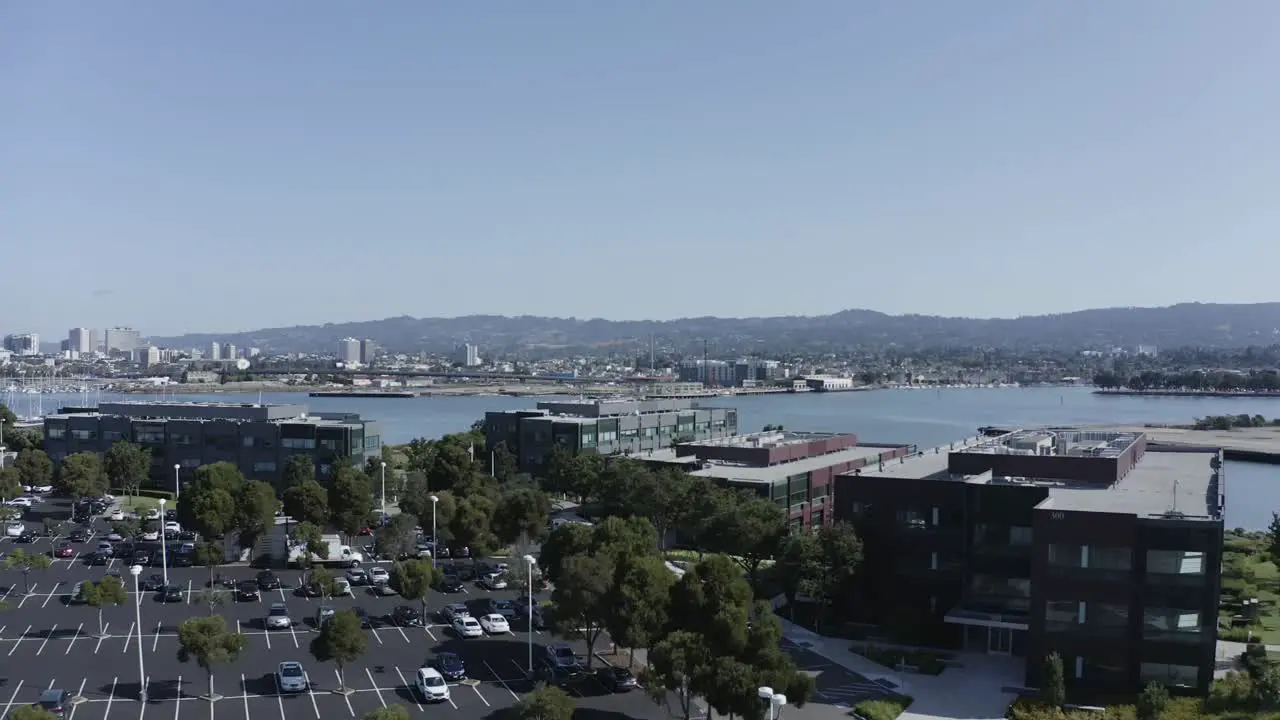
248, 442
84, 434
112, 435
1019, 536
1065, 556
912, 519
588, 438
1111, 558
1171, 624
268, 466
190, 462
56, 433
1108, 615
1175, 562
1061, 615
1174, 675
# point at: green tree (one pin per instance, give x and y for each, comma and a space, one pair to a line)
10, 484
81, 475
545, 703
1053, 686
25, 562
208, 642
30, 712
451, 464
7, 419
750, 530
127, 466
800, 567
351, 500
210, 555
568, 540
340, 641
298, 469
582, 598
19, 439
256, 506
1266, 687
505, 466
311, 540
1273, 537
208, 503
34, 467
398, 538
679, 669
413, 579
573, 474
841, 555
390, 712
307, 501
469, 526
521, 512
1152, 702
639, 602
324, 581
107, 592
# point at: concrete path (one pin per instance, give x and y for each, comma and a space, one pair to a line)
973, 692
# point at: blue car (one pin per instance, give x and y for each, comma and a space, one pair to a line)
450, 666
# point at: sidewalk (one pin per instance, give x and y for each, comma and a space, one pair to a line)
973, 692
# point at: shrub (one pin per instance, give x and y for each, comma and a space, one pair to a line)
1153, 701
146, 492
887, 708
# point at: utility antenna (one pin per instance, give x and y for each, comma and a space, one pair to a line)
1175, 495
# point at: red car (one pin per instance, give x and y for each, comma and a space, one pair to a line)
65, 550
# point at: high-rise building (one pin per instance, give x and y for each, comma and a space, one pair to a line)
149, 356
229, 352
80, 340
349, 351
122, 339
467, 355
215, 351
23, 344
368, 349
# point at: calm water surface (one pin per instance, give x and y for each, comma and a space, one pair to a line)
924, 417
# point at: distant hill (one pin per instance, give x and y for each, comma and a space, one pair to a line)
1187, 324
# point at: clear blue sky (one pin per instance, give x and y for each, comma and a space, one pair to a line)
216, 166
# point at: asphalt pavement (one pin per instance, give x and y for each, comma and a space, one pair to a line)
46, 641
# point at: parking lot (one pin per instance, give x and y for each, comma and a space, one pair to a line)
46, 641
836, 685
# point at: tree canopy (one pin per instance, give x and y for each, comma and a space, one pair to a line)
34, 467
127, 465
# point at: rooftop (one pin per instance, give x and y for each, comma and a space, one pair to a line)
1058, 441
769, 439
775, 473
1165, 483
210, 412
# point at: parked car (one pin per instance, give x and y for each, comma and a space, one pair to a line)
248, 590
450, 584
278, 617
174, 594
55, 702
324, 614
267, 580
494, 624
432, 685
494, 581
14, 529
366, 620
616, 679
467, 627
80, 534
292, 678
357, 576
406, 616
379, 576
65, 550
26, 537
454, 611
562, 656
450, 666
153, 583
505, 608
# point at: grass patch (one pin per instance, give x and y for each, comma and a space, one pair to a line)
887, 708
139, 503
926, 662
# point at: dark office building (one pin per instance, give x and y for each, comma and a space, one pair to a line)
608, 427
796, 470
259, 439
1085, 543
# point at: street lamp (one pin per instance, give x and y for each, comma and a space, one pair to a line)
775, 700
136, 572
435, 539
384, 492
164, 550
177, 484
529, 562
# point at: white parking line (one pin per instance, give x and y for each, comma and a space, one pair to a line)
294, 633
155, 642
279, 696
146, 685
177, 704
110, 698
413, 691
12, 697
129, 637
267, 635
30, 594
79, 694
74, 637
504, 682
47, 635
50, 595
244, 695
102, 637
429, 633
376, 689
311, 692
343, 688
18, 642
190, 591
6, 593
401, 630
376, 636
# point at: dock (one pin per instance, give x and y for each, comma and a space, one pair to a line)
364, 393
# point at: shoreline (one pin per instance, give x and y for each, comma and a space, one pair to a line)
1191, 393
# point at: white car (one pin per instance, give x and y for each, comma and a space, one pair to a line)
14, 529
117, 515
173, 526
494, 581
153, 514
20, 502
150, 536
467, 627
357, 576
432, 686
378, 576
292, 678
41, 489
495, 624
341, 587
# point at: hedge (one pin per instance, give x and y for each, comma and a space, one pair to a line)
145, 492
886, 708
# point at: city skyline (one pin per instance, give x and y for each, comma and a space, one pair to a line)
1021, 159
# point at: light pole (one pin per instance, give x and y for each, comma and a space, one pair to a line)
529, 562
177, 484
136, 572
435, 540
1, 452
775, 700
384, 492
164, 550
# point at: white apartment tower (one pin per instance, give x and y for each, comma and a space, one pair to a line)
123, 339
368, 349
229, 352
349, 351
467, 355
80, 340
215, 351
